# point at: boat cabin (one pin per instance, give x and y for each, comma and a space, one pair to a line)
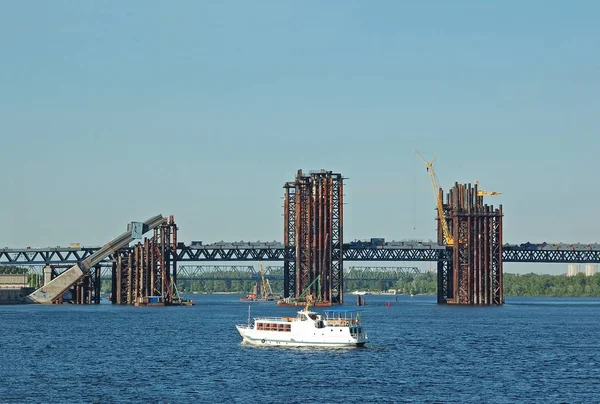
344, 318
307, 316
341, 317
273, 326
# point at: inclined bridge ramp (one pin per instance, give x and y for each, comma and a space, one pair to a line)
59, 285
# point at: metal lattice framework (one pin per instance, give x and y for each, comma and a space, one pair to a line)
289, 240
336, 284
228, 272
496, 280
368, 273
272, 272
510, 253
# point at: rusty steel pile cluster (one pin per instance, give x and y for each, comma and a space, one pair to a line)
313, 223
473, 275
146, 273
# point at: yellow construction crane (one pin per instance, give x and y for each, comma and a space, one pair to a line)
488, 193
438, 199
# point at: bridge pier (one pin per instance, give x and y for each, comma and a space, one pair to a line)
473, 272
313, 234
148, 269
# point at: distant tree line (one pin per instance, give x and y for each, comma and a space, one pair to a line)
552, 285
416, 284
426, 284
422, 284
13, 269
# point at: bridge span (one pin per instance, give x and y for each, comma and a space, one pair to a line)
251, 273
275, 252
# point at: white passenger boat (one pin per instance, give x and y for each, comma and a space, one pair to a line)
338, 328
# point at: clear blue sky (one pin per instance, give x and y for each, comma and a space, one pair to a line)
116, 111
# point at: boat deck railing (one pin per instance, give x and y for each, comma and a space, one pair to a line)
342, 322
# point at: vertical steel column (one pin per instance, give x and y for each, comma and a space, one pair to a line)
146, 286
140, 268
487, 273
161, 244
115, 288
316, 230
98, 285
481, 219
152, 266
498, 296
174, 248
444, 266
166, 249
131, 278
303, 226
118, 298
78, 292
326, 221
289, 240
335, 247
89, 290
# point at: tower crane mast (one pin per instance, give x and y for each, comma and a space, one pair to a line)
438, 199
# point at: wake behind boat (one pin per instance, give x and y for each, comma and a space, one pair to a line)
339, 328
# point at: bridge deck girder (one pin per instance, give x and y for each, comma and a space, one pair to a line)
63, 256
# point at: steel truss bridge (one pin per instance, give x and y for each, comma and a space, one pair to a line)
209, 253
250, 272
246, 272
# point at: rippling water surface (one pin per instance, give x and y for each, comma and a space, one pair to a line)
529, 350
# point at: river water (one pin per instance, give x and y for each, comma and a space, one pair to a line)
544, 350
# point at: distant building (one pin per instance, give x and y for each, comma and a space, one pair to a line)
591, 269
14, 288
13, 281
573, 269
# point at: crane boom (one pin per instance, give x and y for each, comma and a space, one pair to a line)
265, 285
486, 193
438, 199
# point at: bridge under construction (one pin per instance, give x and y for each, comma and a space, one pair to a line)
469, 252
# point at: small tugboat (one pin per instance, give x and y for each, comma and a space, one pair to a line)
305, 297
339, 328
250, 297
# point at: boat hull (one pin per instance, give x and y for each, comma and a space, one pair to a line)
252, 337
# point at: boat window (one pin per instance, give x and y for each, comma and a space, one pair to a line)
312, 316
